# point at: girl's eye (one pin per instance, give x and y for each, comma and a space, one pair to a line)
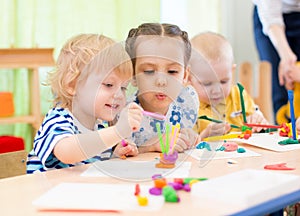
149, 71
123, 88
224, 81
172, 71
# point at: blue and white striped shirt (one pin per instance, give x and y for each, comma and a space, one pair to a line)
58, 124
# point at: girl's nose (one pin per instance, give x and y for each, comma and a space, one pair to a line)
161, 81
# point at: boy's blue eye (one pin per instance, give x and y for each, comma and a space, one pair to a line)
108, 85
206, 84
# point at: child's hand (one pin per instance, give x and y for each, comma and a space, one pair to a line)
130, 120
215, 129
129, 150
187, 139
257, 118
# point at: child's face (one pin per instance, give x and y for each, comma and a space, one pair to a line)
159, 73
212, 83
111, 97
101, 97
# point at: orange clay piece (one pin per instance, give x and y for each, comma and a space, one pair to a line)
161, 165
160, 183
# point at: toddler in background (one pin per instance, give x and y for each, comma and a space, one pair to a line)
160, 54
212, 65
89, 86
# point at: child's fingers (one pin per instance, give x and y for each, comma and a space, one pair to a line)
132, 151
128, 150
134, 106
179, 148
216, 129
181, 143
192, 136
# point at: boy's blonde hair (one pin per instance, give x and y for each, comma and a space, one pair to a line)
213, 47
76, 56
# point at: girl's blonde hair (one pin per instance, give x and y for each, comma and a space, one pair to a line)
76, 56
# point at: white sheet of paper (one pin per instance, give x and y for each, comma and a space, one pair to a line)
204, 154
92, 196
244, 188
135, 170
269, 141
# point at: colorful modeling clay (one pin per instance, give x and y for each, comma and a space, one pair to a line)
288, 141
168, 156
137, 190
281, 166
167, 160
203, 145
230, 146
142, 200
170, 194
155, 191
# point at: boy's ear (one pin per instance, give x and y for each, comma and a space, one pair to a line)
133, 81
233, 74
233, 68
71, 88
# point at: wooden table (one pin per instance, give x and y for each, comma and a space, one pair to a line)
17, 193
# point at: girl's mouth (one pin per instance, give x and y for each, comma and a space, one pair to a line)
160, 96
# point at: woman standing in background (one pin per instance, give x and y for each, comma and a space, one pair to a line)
277, 36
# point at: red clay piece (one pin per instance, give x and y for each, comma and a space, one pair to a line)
281, 166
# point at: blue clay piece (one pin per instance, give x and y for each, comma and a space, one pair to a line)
222, 148
241, 150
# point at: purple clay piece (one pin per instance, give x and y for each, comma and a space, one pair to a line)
157, 176
155, 191
175, 185
187, 187
170, 158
